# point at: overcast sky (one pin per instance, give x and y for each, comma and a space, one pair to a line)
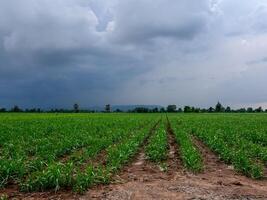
54, 53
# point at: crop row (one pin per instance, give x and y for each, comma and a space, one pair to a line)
69, 175
224, 137
67, 135
51, 151
157, 147
117, 157
189, 153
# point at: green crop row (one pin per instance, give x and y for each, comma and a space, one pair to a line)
50, 179
157, 147
234, 139
55, 141
190, 155
39, 152
223, 134
231, 155
117, 156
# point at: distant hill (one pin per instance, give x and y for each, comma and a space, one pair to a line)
124, 107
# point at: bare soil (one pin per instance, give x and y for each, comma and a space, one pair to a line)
142, 179
145, 180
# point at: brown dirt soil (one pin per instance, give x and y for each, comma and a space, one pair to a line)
145, 180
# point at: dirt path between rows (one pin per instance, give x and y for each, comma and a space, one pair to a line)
144, 180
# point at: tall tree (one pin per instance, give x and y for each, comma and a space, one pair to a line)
259, 109
180, 110
16, 109
219, 107
211, 109
2, 110
108, 108
162, 110
187, 109
155, 110
171, 108
228, 109
76, 107
250, 110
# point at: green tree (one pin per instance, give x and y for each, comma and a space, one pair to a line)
259, 109
203, 110
76, 107
155, 110
219, 107
211, 109
250, 110
108, 108
187, 109
171, 108
197, 110
228, 109
16, 109
2, 110
162, 110
242, 110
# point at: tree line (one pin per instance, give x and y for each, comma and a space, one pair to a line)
218, 108
17, 109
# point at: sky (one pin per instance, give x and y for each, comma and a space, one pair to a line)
54, 53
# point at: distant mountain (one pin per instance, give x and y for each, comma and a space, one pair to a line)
124, 107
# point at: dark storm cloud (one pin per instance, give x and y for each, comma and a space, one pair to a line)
139, 21
57, 52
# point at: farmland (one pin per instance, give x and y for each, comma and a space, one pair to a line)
77, 154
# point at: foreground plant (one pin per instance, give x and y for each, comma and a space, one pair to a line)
157, 147
190, 155
117, 156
